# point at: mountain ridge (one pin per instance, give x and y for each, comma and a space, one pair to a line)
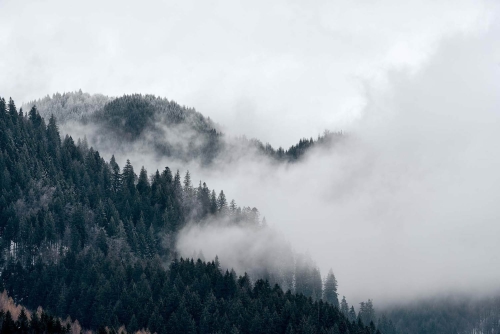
166, 127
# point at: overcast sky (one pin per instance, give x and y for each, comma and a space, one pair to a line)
276, 70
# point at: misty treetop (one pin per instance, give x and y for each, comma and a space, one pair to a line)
87, 238
162, 126
66, 107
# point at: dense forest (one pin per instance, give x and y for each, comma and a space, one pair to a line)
82, 237
165, 127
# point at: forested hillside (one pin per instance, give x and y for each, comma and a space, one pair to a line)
162, 126
83, 237
447, 314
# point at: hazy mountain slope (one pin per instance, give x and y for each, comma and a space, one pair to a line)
154, 124
82, 237
158, 127
450, 314
73, 106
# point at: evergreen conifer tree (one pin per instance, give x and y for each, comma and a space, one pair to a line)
222, 203
330, 290
344, 307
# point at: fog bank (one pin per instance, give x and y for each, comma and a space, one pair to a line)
407, 206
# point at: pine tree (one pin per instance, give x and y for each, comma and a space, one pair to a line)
177, 185
233, 206
330, 294
203, 197
13, 110
143, 186
53, 138
116, 177
352, 314
213, 203
188, 186
344, 307
35, 118
129, 177
317, 284
222, 203
3, 107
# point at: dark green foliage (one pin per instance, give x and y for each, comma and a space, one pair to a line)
129, 116
189, 296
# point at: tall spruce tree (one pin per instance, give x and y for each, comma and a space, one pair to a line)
222, 203
330, 294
